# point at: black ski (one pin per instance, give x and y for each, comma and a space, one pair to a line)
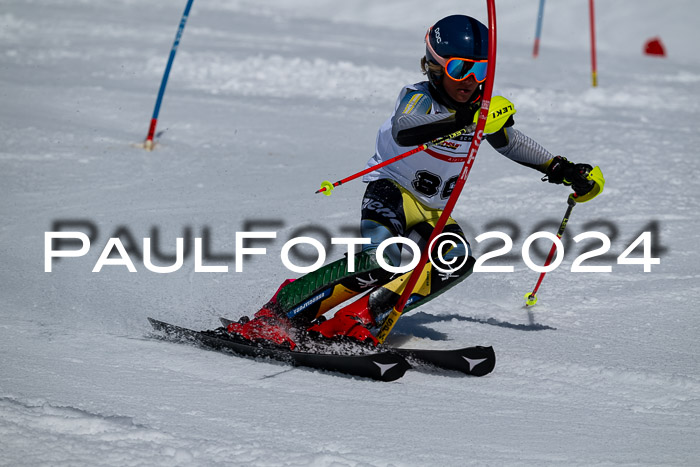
473, 361
381, 366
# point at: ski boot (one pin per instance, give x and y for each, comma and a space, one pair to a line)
267, 326
353, 323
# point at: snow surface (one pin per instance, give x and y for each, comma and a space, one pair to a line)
267, 99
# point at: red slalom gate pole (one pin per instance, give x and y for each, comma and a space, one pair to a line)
396, 312
594, 65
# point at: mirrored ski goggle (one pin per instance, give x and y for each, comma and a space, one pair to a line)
460, 69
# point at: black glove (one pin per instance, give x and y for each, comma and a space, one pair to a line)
561, 170
464, 116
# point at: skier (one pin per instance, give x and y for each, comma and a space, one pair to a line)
407, 197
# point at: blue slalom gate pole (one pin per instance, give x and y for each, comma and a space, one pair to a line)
538, 30
148, 144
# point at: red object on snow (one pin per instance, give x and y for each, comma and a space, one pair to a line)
655, 47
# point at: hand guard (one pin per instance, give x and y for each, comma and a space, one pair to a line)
586, 181
500, 115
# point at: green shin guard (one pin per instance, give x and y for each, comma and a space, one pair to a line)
319, 291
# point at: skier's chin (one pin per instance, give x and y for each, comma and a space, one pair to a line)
462, 96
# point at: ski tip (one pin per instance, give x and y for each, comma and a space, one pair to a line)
485, 364
157, 325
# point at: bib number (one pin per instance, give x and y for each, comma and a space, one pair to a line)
430, 184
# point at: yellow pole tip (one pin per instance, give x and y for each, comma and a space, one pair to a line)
530, 299
327, 187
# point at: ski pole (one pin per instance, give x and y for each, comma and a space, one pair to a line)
501, 109
327, 187
148, 144
396, 312
531, 297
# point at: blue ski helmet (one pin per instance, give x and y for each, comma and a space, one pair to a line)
456, 36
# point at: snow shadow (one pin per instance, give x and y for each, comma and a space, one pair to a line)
417, 324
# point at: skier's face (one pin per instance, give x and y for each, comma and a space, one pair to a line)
460, 91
